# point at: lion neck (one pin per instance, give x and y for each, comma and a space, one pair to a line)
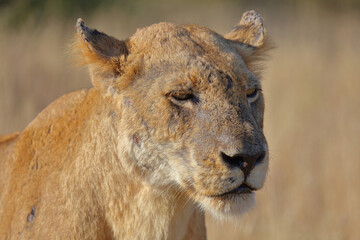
136, 209
144, 213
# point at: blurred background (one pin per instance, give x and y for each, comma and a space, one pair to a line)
311, 84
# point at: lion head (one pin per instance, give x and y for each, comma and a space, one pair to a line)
187, 107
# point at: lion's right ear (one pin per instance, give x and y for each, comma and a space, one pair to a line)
105, 55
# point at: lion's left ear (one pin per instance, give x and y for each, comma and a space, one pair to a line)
249, 31
251, 43
105, 55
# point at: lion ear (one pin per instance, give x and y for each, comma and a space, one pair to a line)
104, 55
249, 31
251, 43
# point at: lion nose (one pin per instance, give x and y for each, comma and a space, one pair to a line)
246, 162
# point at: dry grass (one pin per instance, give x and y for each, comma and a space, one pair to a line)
312, 117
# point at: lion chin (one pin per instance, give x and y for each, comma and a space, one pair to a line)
227, 208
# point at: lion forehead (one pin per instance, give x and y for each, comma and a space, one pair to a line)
169, 42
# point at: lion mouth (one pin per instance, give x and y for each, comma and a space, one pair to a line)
242, 189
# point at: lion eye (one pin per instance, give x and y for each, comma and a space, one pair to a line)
252, 94
183, 97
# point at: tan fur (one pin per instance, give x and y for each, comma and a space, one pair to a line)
135, 157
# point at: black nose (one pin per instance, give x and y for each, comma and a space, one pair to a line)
245, 162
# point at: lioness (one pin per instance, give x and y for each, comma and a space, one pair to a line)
173, 127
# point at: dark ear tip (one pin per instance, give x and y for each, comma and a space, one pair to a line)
82, 29
80, 26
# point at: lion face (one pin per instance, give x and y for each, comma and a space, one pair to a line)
190, 114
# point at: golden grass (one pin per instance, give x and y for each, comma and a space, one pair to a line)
312, 118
